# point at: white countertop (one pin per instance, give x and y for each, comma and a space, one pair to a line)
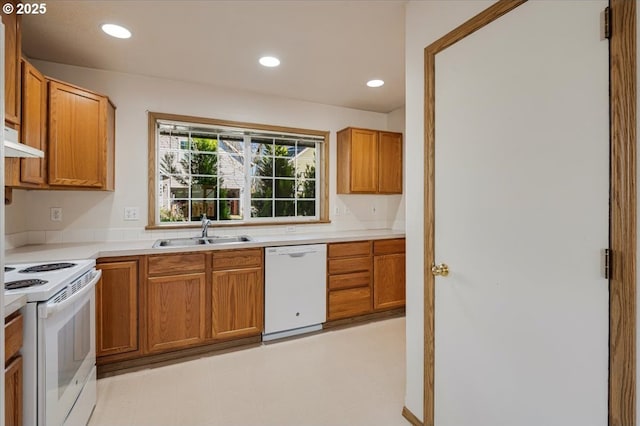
13, 302
94, 250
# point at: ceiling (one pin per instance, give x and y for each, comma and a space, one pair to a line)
328, 49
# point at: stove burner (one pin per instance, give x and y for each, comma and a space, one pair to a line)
48, 267
14, 285
8, 269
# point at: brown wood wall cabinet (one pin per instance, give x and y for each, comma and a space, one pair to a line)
364, 277
117, 309
12, 53
13, 370
73, 126
31, 172
369, 162
81, 138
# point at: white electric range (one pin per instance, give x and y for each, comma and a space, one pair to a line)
59, 339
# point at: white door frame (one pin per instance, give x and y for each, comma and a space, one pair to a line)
622, 299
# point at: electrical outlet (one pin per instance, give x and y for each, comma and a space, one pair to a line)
373, 209
291, 229
347, 211
131, 213
56, 214
337, 211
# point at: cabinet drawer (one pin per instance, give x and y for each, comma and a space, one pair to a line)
360, 248
12, 337
235, 259
358, 279
349, 303
354, 264
176, 263
389, 246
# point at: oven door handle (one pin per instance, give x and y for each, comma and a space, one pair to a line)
48, 309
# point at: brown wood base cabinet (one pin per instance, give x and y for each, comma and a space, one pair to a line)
349, 280
237, 308
389, 280
365, 277
175, 301
13, 329
117, 309
205, 297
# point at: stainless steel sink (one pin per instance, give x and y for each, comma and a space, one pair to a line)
192, 242
228, 239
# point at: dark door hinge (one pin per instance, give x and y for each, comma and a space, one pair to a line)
607, 22
606, 263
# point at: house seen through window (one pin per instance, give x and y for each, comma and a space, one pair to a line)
234, 174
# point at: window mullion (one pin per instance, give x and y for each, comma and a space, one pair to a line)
246, 197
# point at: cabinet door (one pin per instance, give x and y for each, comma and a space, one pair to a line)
237, 303
77, 137
364, 160
12, 53
13, 393
34, 123
349, 303
175, 311
388, 281
117, 308
390, 163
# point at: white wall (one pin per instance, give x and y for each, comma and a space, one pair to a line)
89, 215
396, 120
425, 23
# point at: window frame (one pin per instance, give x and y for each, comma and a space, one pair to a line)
322, 173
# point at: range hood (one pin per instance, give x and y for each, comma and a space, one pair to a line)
13, 148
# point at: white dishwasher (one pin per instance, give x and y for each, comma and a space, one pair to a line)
295, 290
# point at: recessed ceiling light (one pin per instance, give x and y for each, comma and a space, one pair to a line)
375, 83
269, 61
116, 31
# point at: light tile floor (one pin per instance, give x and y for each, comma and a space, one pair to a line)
352, 377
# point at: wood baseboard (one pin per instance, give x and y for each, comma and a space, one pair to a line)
159, 360
411, 418
375, 316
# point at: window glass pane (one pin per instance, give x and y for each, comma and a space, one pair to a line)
200, 207
262, 188
285, 208
285, 148
306, 188
261, 208
261, 146
204, 144
230, 209
284, 188
307, 208
284, 167
175, 211
204, 190
262, 166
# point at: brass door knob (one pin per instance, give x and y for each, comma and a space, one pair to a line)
441, 269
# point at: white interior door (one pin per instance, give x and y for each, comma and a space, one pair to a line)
521, 199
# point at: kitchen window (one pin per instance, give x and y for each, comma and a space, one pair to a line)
234, 173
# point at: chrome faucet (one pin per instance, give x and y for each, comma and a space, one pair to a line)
205, 225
